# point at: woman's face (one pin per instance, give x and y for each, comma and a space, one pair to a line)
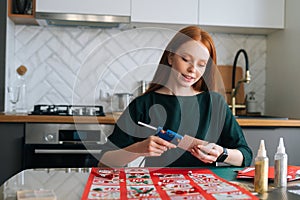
188, 63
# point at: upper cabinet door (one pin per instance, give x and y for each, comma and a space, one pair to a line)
165, 11
100, 7
242, 13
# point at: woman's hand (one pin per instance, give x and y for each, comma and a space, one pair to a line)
153, 146
207, 153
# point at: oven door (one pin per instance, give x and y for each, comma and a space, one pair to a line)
61, 156
64, 145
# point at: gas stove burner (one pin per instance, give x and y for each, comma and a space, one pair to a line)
68, 110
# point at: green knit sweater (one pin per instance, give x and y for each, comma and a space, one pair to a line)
205, 116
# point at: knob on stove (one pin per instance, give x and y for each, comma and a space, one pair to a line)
49, 137
70, 111
77, 111
91, 111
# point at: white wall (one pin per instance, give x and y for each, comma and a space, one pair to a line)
283, 66
68, 65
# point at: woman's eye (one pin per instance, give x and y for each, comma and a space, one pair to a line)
184, 59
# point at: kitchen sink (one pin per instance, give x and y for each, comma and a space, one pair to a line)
261, 117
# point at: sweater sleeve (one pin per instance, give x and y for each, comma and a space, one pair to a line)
126, 130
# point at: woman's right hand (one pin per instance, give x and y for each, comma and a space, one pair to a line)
153, 146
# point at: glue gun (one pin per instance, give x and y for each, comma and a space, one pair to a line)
167, 135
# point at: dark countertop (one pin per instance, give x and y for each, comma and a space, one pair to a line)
111, 119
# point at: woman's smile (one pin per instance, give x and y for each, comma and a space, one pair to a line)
188, 78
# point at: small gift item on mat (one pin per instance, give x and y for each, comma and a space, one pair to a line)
36, 195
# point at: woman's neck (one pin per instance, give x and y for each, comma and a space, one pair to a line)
178, 91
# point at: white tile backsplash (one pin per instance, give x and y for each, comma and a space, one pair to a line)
69, 65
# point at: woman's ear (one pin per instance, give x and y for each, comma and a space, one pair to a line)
170, 58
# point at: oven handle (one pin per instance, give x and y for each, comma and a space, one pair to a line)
66, 151
78, 142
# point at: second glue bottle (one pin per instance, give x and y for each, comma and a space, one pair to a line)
261, 169
281, 165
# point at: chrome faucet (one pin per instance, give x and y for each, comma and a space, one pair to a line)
246, 79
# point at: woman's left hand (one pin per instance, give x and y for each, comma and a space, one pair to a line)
207, 153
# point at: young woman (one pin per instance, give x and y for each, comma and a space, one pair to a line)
181, 98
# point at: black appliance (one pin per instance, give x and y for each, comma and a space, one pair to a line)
68, 110
57, 145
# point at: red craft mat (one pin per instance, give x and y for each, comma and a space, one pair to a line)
163, 183
293, 173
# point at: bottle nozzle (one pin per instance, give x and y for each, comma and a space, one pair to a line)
262, 149
281, 148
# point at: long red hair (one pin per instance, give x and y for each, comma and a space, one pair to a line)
206, 82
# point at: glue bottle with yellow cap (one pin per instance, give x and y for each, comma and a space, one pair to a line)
261, 169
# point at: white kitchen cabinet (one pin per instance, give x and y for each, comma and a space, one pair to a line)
165, 12
101, 7
242, 13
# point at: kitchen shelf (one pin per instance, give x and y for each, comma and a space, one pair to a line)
24, 19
